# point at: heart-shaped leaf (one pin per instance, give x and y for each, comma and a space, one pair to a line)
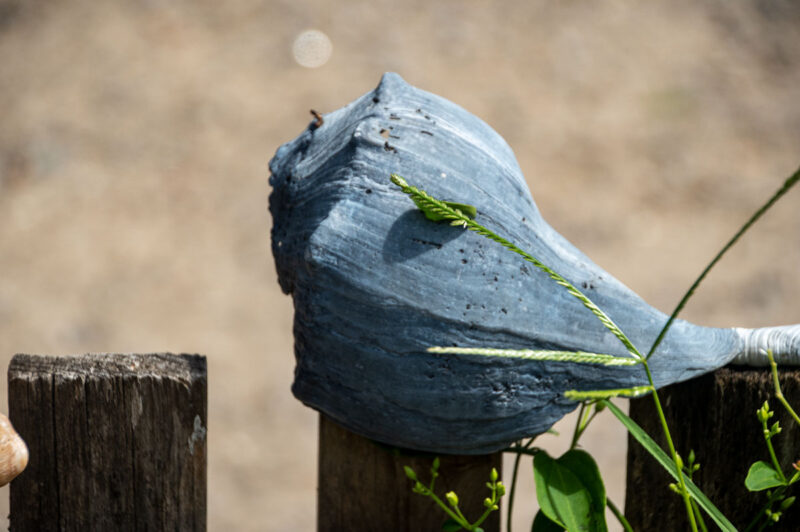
570, 491
762, 476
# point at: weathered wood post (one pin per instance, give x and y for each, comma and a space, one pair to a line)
362, 485
117, 442
716, 416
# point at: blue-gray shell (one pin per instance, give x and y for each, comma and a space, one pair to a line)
374, 284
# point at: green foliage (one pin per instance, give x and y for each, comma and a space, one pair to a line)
762, 476
570, 490
457, 520
467, 210
662, 458
770, 477
778, 392
439, 208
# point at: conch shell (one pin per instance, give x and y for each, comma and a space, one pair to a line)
13, 452
375, 284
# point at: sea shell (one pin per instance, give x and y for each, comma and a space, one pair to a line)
13, 452
375, 284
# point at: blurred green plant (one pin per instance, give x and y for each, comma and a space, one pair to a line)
457, 520
766, 476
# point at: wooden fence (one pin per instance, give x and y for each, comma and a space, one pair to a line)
118, 442
715, 415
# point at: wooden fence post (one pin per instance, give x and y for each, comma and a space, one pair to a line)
362, 485
117, 442
716, 416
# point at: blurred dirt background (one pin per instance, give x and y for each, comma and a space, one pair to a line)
135, 136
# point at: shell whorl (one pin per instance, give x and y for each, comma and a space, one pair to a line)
784, 342
13, 452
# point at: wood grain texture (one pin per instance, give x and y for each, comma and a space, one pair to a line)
117, 442
362, 485
716, 416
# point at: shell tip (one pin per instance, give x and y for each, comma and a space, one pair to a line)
390, 82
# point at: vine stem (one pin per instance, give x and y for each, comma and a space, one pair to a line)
516, 450
773, 457
578, 424
619, 515
513, 489
510, 509
778, 391
460, 519
699, 516
673, 453
776, 495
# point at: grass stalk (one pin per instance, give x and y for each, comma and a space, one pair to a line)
787, 185
672, 452
513, 489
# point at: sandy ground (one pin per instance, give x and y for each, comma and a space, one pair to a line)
135, 136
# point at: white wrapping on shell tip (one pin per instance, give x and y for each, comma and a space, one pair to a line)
784, 342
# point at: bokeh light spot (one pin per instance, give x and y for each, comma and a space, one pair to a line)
312, 49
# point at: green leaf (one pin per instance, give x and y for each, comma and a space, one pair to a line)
542, 523
583, 466
468, 210
762, 476
662, 458
563, 496
451, 525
